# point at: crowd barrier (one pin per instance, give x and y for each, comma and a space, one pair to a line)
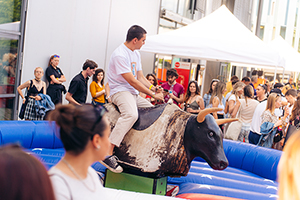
251, 173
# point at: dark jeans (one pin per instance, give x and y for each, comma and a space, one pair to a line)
97, 103
253, 138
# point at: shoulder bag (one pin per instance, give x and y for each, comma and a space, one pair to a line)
23, 107
234, 129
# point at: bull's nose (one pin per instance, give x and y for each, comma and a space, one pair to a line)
223, 165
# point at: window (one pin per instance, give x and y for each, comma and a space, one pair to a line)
10, 34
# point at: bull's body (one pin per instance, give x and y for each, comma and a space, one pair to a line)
159, 143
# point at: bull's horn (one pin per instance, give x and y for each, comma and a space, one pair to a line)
203, 113
224, 121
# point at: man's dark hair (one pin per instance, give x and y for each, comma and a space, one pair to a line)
89, 64
260, 73
254, 72
234, 81
172, 72
135, 32
246, 79
278, 85
234, 77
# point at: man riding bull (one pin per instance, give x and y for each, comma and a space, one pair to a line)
126, 80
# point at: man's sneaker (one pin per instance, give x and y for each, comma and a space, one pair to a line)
111, 163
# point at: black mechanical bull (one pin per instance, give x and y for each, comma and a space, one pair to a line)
165, 140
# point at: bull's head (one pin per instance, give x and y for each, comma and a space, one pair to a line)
203, 138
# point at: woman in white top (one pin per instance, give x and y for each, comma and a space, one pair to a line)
216, 99
237, 92
84, 131
246, 110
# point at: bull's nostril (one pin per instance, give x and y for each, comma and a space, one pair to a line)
223, 165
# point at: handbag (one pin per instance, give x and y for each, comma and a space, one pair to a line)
22, 110
233, 130
23, 107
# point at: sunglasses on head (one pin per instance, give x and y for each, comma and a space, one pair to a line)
56, 56
215, 80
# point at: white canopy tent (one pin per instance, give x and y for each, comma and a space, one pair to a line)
219, 36
291, 56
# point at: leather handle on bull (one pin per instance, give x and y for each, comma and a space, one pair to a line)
224, 121
203, 113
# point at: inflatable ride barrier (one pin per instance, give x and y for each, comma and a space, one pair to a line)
47, 158
220, 174
50, 157
205, 179
194, 196
255, 159
53, 152
195, 165
30, 134
258, 160
233, 175
224, 191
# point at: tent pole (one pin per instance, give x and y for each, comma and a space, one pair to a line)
283, 75
203, 79
275, 75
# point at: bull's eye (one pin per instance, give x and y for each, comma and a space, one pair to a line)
211, 134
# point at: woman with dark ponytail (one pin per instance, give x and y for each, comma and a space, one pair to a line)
84, 131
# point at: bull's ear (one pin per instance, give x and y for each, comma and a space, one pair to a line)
203, 113
224, 121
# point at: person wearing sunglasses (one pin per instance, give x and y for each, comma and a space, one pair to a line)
84, 132
126, 79
261, 92
55, 77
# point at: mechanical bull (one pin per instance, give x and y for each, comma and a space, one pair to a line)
164, 140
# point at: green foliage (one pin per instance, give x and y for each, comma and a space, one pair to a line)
10, 11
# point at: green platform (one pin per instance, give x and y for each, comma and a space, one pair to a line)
135, 183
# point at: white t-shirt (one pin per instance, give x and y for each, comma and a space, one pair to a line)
232, 97
80, 192
256, 119
66, 187
122, 61
228, 95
